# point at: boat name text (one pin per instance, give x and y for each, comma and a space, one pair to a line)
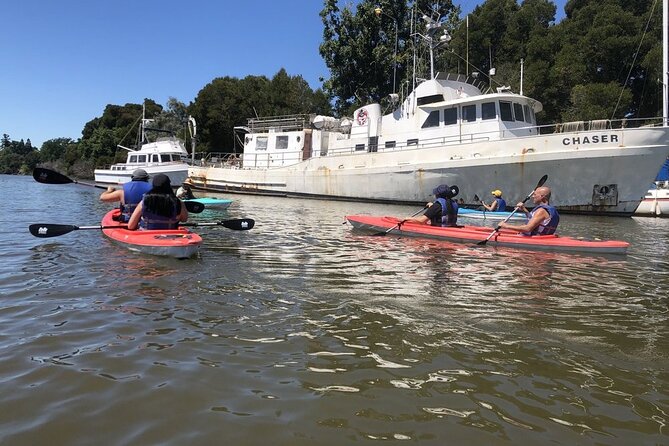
594, 139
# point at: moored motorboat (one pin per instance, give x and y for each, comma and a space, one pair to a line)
475, 234
212, 203
487, 215
179, 243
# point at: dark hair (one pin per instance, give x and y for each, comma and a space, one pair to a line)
161, 199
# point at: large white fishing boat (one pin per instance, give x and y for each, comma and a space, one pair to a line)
166, 155
447, 130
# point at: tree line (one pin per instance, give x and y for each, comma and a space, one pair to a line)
602, 61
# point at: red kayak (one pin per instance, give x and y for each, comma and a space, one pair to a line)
474, 234
180, 243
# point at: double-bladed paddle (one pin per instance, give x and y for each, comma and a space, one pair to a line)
539, 184
46, 230
48, 176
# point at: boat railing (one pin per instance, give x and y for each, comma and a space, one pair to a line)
284, 123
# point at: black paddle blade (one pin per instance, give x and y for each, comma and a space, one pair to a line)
542, 181
46, 230
194, 207
48, 176
238, 224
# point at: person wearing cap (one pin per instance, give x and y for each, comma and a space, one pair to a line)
160, 208
130, 195
185, 192
443, 211
498, 204
542, 220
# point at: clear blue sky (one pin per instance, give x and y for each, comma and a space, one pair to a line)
62, 62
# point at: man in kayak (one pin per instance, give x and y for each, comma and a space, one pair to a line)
444, 210
130, 195
185, 192
544, 218
498, 204
160, 208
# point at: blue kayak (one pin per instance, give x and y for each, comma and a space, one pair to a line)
487, 215
212, 203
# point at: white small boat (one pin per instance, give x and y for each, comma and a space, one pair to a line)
166, 155
656, 201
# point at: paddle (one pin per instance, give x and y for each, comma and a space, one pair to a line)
397, 225
539, 184
46, 230
48, 176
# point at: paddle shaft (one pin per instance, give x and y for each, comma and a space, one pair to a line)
398, 224
539, 184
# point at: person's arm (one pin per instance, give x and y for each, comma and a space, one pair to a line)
433, 209
111, 194
535, 221
133, 223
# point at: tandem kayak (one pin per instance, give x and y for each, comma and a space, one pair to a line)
474, 234
212, 203
487, 215
179, 243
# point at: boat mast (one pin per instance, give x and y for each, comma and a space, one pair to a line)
665, 61
192, 129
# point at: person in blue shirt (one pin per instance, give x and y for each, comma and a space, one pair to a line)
544, 218
498, 204
443, 211
130, 195
160, 208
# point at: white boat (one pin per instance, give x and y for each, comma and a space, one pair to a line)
166, 155
656, 201
447, 130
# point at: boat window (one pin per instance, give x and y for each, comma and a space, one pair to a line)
156, 158
528, 117
359, 147
390, 144
505, 111
141, 158
261, 143
488, 110
451, 116
518, 111
282, 142
133, 159
430, 99
165, 158
412, 142
469, 113
432, 120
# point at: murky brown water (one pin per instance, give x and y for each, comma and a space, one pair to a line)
301, 331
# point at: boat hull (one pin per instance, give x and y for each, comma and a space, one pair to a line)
587, 178
654, 204
213, 203
122, 173
475, 234
178, 243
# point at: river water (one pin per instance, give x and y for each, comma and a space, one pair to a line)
302, 332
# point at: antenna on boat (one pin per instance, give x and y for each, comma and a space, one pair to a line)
665, 62
192, 129
521, 76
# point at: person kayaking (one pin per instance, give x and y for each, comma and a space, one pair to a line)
160, 208
544, 218
185, 192
444, 210
498, 204
130, 195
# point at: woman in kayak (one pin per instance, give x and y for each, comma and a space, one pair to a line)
498, 204
160, 208
544, 218
444, 210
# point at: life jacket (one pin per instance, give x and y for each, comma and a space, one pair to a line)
151, 220
449, 212
133, 192
549, 225
501, 205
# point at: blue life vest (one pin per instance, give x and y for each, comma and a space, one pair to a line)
151, 220
546, 227
501, 205
133, 192
448, 218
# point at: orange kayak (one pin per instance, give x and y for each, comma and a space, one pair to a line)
475, 234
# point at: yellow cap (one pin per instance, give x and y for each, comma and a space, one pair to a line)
497, 193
